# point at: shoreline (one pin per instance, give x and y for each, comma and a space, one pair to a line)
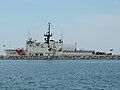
81, 57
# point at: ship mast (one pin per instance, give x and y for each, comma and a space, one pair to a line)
48, 35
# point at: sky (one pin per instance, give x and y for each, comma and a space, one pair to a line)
93, 24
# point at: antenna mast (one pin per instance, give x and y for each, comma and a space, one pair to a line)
62, 35
48, 34
29, 34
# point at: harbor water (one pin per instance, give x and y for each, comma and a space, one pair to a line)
59, 75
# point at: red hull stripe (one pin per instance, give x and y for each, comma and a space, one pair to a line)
21, 52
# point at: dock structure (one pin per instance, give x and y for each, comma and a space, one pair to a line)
81, 57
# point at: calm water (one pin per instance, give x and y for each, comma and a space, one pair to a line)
59, 75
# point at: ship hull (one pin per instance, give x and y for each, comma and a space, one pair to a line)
16, 52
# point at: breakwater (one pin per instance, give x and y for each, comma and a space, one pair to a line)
88, 57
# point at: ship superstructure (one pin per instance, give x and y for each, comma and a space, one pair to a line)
48, 47
52, 47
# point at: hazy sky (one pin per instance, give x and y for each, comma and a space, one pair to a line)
93, 24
